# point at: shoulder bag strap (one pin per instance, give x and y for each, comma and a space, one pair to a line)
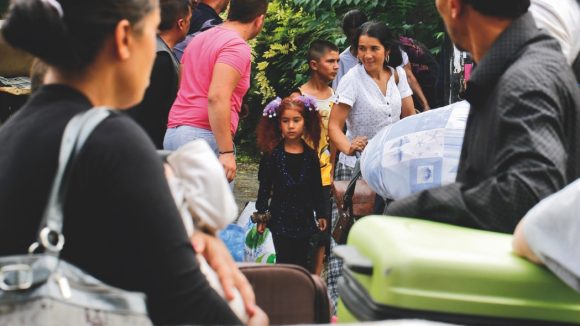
349, 193
77, 131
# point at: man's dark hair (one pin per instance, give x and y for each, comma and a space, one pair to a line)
172, 11
353, 20
500, 8
318, 48
244, 11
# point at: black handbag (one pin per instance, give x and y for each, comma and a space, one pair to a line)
43, 289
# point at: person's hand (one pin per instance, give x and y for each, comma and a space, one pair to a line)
261, 227
520, 244
259, 318
228, 161
322, 224
219, 258
358, 144
168, 171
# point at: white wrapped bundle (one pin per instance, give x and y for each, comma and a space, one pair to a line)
416, 153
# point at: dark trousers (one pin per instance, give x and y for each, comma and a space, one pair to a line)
291, 250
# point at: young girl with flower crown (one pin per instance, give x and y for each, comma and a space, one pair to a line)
289, 175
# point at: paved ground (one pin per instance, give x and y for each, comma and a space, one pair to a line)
246, 186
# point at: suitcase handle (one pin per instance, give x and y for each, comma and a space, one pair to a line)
354, 260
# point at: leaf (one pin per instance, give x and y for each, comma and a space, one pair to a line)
279, 52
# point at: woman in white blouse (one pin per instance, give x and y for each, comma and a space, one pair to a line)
371, 95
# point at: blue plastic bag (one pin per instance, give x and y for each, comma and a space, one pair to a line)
233, 236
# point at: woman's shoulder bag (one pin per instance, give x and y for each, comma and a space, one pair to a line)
43, 289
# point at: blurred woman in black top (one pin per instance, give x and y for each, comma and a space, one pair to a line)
121, 224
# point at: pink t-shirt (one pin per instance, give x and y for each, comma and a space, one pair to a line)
217, 45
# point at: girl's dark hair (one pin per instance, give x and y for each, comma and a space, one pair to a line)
269, 133
353, 19
389, 41
70, 42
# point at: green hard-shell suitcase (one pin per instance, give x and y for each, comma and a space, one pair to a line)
407, 268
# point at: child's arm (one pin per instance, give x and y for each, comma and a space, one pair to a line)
332, 159
265, 179
318, 194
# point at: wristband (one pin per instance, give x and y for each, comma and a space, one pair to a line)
226, 152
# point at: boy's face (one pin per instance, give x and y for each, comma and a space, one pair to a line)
327, 66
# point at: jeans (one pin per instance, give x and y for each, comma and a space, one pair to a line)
181, 135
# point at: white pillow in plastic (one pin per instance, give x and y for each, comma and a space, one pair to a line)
417, 153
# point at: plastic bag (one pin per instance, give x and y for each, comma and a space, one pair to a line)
259, 247
417, 153
233, 237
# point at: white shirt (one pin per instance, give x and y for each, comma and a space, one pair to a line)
551, 229
561, 19
370, 110
405, 58
345, 63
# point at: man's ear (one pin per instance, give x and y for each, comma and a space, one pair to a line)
456, 8
181, 24
260, 21
123, 39
313, 65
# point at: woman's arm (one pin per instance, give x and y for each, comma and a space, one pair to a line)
407, 104
338, 139
415, 86
145, 233
265, 179
407, 107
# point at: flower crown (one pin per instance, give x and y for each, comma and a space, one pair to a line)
271, 110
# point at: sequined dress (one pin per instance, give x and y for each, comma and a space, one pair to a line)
293, 183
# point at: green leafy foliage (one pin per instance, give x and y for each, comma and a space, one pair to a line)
279, 58
416, 18
279, 52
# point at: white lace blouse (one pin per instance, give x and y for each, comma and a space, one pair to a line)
370, 110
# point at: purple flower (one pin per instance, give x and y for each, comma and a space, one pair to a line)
272, 107
309, 102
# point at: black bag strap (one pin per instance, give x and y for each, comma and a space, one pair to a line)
76, 132
349, 193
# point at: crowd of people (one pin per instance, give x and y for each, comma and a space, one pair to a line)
181, 73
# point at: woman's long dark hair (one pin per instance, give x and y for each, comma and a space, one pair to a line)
381, 32
69, 40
